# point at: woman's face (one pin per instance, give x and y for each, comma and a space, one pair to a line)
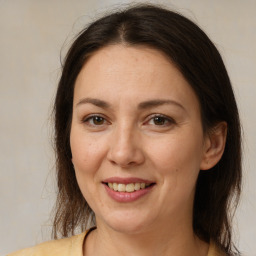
136, 123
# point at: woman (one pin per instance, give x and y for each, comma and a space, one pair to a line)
147, 140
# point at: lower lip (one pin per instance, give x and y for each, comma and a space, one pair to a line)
125, 197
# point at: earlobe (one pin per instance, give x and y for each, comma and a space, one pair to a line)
214, 146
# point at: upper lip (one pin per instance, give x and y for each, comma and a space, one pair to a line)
121, 180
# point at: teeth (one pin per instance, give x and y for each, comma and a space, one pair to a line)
131, 187
142, 185
137, 186
121, 187
115, 186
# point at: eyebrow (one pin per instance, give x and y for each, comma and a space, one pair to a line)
97, 102
143, 105
158, 102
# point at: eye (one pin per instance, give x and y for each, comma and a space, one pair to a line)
160, 120
95, 120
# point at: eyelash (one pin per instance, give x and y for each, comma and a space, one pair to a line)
91, 118
164, 118
170, 121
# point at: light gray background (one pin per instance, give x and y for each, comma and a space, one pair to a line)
32, 33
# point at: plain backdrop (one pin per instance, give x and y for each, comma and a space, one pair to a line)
33, 36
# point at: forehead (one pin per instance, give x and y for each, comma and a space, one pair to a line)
132, 73
129, 60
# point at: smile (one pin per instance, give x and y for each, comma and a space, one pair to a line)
127, 189
131, 187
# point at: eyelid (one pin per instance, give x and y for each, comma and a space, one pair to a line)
87, 118
169, 119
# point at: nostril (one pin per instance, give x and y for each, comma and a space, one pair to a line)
123, 164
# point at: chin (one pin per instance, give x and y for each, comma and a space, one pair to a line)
126, 228
127, 222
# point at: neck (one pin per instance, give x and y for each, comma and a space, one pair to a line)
163, 240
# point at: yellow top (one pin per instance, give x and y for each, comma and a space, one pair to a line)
73, 246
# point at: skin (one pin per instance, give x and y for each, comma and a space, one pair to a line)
126, 140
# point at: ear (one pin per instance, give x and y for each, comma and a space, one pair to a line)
214, 146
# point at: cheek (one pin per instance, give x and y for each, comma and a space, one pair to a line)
176, 162
178, 157
84, 158
86, 152
176, 152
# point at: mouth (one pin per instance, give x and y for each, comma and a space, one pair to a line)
125, 190
129, 188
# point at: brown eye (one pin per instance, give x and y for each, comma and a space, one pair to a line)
98, 120
95, 120
159, 120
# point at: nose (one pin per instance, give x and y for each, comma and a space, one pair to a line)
125, 148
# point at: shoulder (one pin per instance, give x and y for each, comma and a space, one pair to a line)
214, 250
62, 247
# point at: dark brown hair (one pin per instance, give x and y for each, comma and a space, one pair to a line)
199, 61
